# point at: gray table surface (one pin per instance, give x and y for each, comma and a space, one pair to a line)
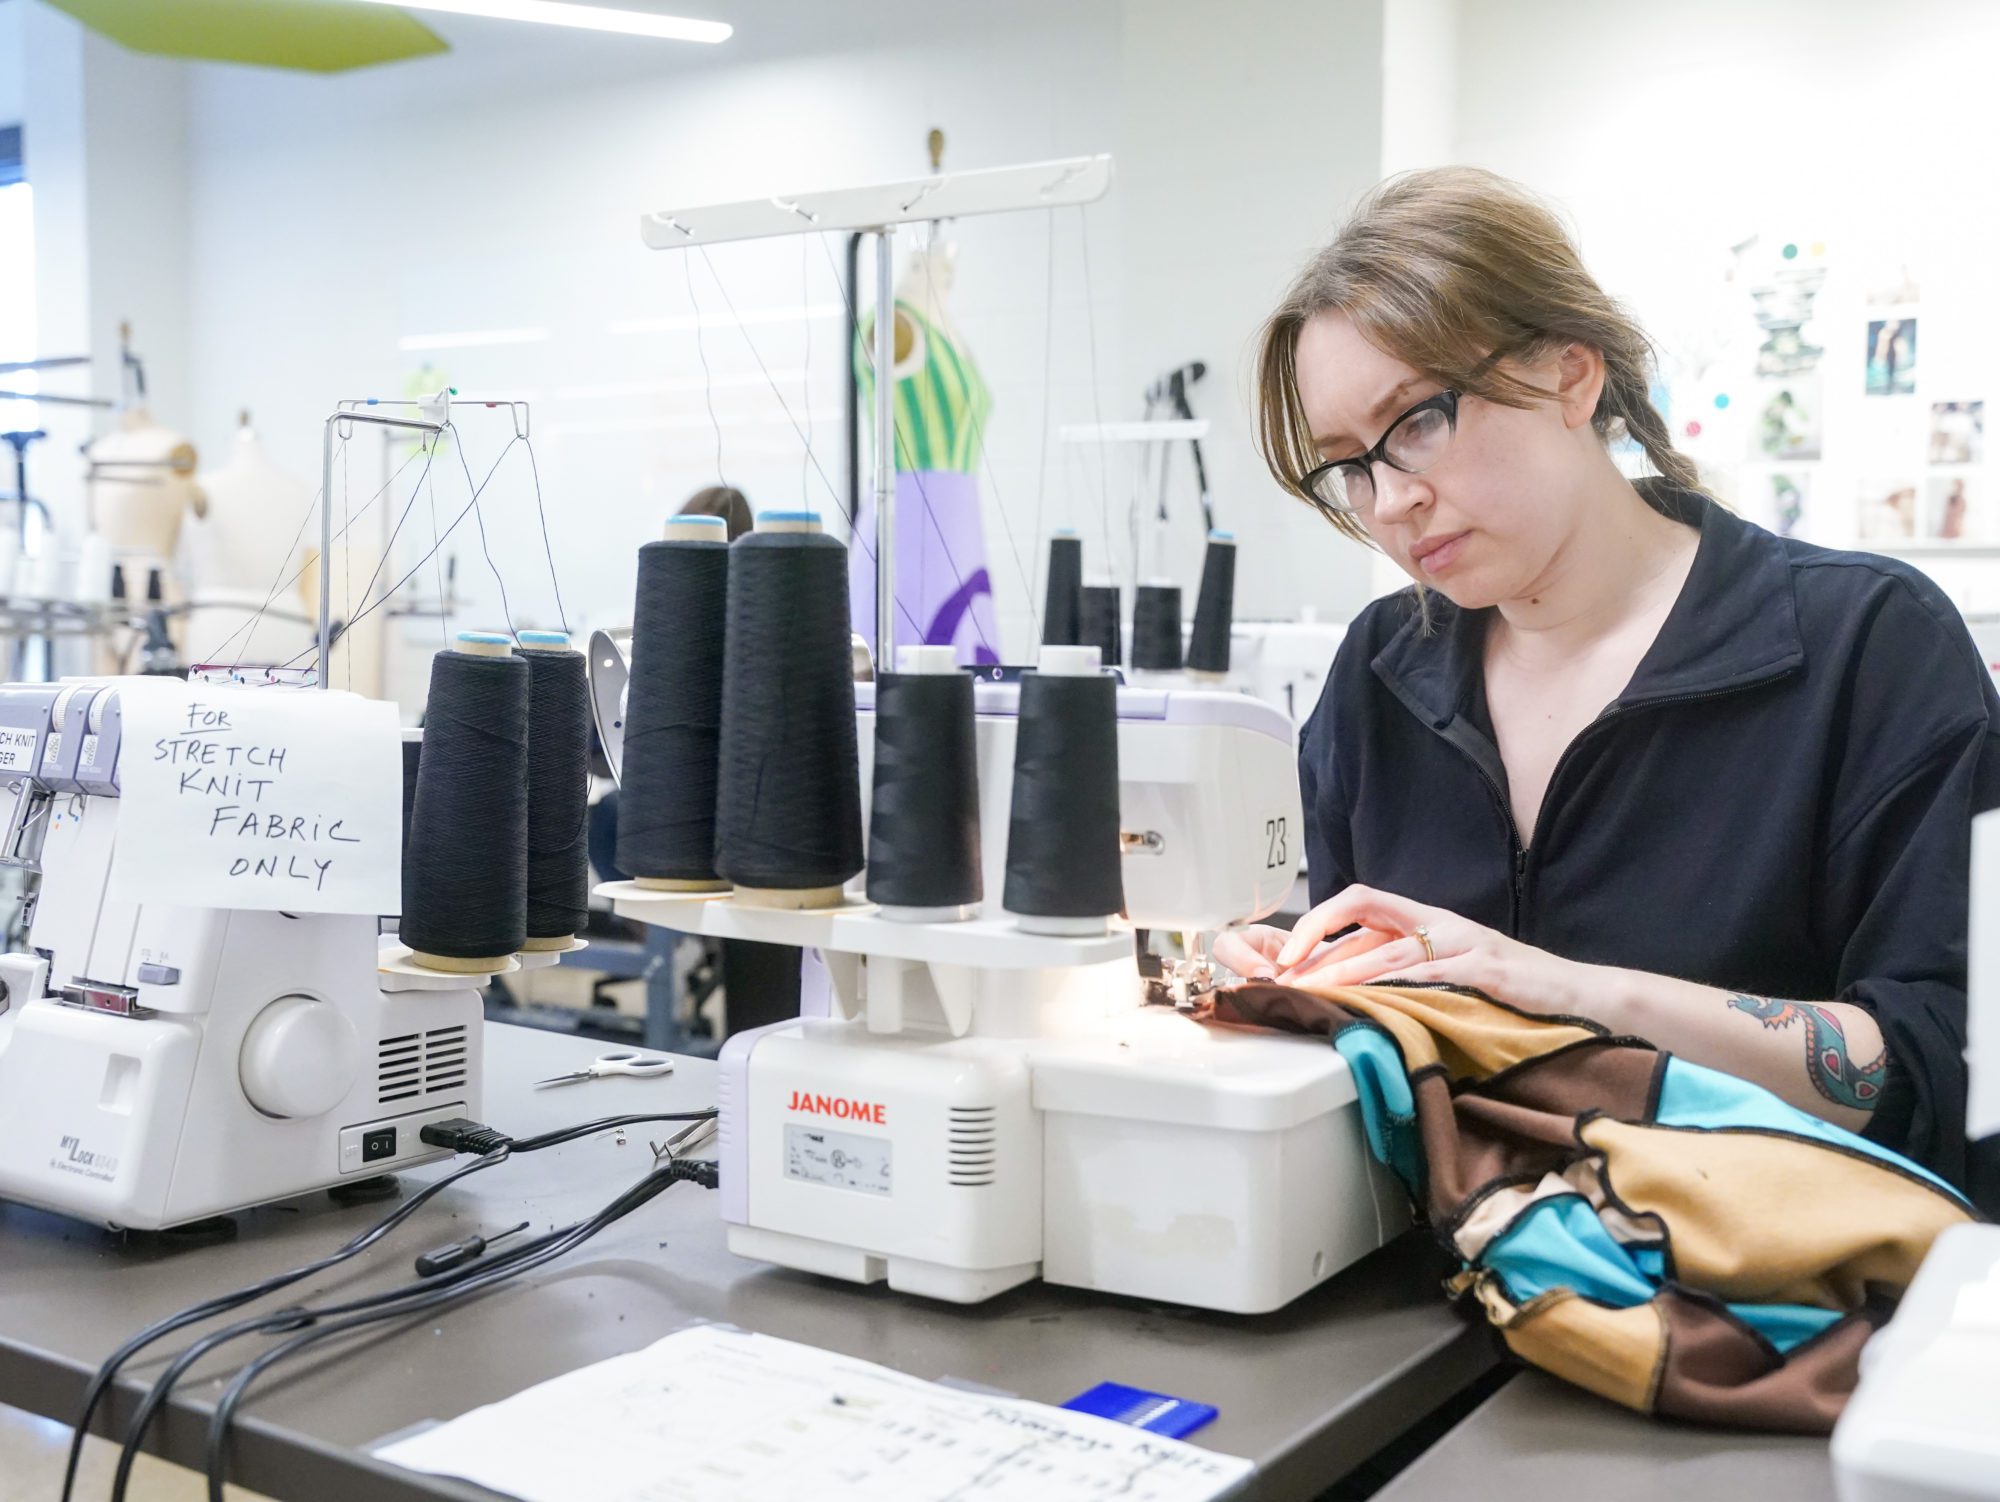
1308, 1392
1539, 1438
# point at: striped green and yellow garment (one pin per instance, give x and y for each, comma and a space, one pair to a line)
941, 407
1670, 1237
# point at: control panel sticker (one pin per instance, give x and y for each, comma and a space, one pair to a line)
838, 1160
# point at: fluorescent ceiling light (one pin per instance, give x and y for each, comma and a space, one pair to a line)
752, 317
472, 339
587, 17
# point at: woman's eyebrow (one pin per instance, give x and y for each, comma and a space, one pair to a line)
1386, 401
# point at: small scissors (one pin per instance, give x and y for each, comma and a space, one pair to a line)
625, 1062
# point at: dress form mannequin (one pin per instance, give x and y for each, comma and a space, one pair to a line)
942, 585
249, 541
141, 485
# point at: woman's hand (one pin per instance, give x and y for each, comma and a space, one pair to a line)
1387, 945
1250, 952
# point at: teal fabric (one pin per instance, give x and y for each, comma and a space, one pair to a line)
1651, 1262
1388, 1109
1786, 1325
1692, 1096
1560, 1243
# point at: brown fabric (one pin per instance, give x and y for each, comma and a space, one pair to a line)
1513, 1111
1719, 1373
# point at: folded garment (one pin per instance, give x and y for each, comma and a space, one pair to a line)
1670, 1237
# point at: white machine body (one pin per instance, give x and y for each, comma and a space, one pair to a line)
1924, 1423
162, 1064
961, 1122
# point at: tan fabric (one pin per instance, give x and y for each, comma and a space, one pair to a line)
1615, 1353
1809, 1240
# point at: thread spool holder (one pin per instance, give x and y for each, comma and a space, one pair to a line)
433, 417
886, 989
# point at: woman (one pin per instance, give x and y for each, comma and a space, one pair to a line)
1618, 754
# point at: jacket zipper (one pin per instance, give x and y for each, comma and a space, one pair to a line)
1518, 849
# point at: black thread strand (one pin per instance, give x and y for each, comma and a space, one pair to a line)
673, 712
465, 879
558, 794
923, 823
788, 805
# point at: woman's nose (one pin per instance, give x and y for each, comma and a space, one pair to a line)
1397, 494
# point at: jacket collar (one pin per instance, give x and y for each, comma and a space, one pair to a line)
1735, 624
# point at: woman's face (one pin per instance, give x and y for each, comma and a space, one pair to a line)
1484, 522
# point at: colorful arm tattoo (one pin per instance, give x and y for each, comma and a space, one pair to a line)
1833, 1073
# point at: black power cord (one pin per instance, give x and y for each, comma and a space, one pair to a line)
427, 1296
457, 1134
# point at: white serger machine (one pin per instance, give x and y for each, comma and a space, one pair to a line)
976, 1105
161, 1065
1924, 1423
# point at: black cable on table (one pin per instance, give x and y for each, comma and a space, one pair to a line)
494, 1148
479, 1277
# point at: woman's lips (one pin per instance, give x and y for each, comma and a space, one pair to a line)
1434, 557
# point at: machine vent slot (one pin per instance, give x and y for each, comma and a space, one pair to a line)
726, 1119
970, 1146
398, 1068
444, 1059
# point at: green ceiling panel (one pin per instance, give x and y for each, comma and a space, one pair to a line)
319, 36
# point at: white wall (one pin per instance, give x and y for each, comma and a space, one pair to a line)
1671, 133
333, 217
13, 57
105, 148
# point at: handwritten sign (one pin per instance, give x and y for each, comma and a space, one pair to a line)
287, 799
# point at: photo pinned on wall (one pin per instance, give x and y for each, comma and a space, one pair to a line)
1788, 494
1888, 511
1892, 356
1788, 418
1958, 432
1952, 511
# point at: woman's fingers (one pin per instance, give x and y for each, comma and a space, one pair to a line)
1397, 958
1358, 942
1249, 952
1356, 904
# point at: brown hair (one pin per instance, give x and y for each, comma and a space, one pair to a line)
724, 501
1447, 269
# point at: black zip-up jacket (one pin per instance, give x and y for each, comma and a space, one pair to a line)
1779, 802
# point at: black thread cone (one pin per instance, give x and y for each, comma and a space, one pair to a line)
1214, 609
1062, 623
673, 712
1099, 625
1062, 830
558, 793
1156, 628
788, 793
465, 878
923, 823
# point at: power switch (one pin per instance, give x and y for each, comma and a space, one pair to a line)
378, 1144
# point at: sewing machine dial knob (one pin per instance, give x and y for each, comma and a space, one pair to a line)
300, 1057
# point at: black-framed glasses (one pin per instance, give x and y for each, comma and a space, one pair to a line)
1413, 443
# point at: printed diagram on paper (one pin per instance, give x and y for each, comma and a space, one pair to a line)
718, 1415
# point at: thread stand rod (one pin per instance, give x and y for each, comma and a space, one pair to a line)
347, 415
885, 447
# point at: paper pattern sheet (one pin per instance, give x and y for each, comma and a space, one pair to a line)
713, 1414
272, 798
